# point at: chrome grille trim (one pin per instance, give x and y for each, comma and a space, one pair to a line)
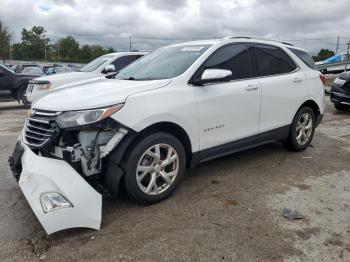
39, 113
38, 120
39, 128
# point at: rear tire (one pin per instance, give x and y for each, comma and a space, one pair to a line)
153, 168
302, 130
341, 107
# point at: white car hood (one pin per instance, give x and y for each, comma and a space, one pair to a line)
69, 75
103, 93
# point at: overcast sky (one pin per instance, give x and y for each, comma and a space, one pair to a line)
103, 21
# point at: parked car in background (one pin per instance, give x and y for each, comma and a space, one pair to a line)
19, 68
32, 70
102, 65
175, 108
59, 70
13, 86
46, 67
340, 92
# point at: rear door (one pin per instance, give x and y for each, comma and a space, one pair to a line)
228, 110
282, 83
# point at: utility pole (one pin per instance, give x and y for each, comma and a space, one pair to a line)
58, 51
347, 56
336, 50
130, 43
10, 52
45, 48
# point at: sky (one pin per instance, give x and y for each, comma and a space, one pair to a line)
310, 24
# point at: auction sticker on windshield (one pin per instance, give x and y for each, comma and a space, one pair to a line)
192, 48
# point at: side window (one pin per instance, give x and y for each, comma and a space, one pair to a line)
289, 64
123, 61
305, 57
233, 57
268, 60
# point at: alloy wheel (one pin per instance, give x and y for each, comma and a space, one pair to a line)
157, 169
304, 128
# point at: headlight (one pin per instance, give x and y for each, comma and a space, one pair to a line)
79, 118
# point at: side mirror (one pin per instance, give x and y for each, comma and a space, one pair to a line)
108, 69
215, 74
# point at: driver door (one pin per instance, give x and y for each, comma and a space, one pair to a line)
228, 110
5, 83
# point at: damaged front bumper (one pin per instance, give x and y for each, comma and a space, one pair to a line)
39, 176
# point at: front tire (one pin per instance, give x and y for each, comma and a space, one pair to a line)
153, 168
302, 130
23, 98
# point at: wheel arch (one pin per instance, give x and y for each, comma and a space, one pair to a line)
114, 168
173, 129
314, 106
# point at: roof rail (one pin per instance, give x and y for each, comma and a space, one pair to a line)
258, 38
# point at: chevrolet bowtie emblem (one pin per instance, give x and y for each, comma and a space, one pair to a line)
30, 113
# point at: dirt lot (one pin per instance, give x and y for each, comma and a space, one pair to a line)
227, 209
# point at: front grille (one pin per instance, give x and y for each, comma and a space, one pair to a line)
40, 128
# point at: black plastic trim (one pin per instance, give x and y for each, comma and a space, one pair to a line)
240, 145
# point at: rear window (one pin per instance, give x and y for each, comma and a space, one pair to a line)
305, 57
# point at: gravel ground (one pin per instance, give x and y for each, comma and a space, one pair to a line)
227, 209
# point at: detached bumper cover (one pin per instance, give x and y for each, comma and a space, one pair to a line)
45, 175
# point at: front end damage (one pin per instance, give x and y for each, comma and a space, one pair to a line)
62, 171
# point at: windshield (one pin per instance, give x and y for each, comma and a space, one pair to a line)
32, 70
164, 63
94, 64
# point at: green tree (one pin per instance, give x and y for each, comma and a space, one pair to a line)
97, 51
86, 54
323, 54
69, 49
5, 38
34, 43
110, 50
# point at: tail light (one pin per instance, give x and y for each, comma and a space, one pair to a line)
323, 79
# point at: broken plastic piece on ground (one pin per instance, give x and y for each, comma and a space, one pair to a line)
292, 214
230, 202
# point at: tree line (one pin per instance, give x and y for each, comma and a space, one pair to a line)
35, 46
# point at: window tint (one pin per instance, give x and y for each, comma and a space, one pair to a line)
305, 57
233, 57
289, 64
123, 61
268, 60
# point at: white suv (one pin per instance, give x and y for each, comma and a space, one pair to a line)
98, 68
175, 108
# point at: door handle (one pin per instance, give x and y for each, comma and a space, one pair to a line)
297, 80
251, 87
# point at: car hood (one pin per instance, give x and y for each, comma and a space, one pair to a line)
25, 76
103, 93
69, 75
80, 82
